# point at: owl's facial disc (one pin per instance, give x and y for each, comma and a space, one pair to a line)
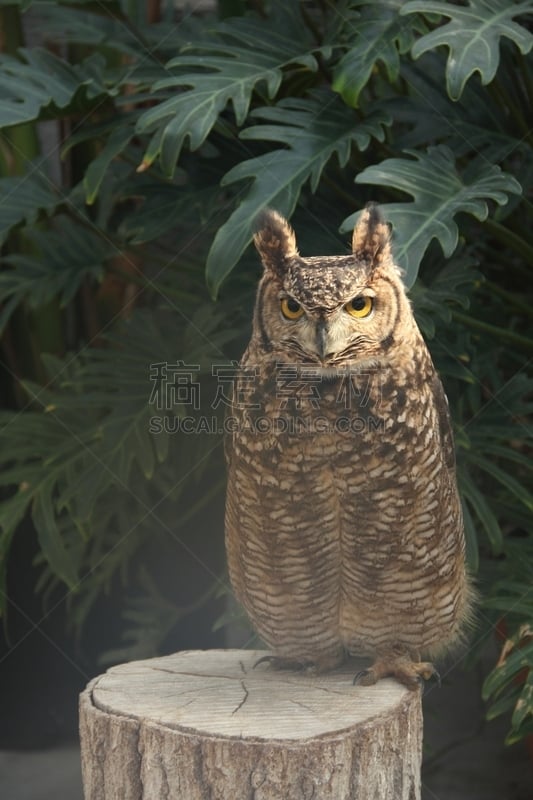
331, 311
322, 335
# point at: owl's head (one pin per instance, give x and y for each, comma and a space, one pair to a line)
330, 310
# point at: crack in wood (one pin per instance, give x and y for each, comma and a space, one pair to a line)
276, 677
303, 705
244, 699
199, 675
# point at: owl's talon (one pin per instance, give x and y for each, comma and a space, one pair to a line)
364, 677
277, 662
263, 660
426, 671
410, 673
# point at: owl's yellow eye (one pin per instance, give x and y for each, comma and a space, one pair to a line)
291, 309
359, 307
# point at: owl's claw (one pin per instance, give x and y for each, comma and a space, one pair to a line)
411, 673
359, 677
264, 660
278, 662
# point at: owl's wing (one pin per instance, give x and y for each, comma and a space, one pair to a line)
445, 422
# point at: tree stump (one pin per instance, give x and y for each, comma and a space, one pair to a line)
206, 725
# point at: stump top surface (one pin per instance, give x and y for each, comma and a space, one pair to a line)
217, 692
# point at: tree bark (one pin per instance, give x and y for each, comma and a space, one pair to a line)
206, 725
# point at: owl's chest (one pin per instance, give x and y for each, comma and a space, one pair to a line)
373, 423
358, 479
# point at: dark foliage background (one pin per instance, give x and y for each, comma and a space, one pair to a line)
132, 251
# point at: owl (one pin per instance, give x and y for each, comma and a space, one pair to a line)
344, 532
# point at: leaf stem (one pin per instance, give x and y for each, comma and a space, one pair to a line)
521, 342
510, 297
510, 239
528, 82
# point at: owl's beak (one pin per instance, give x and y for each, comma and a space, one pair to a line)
322, 339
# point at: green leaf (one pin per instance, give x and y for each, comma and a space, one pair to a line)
313, 129
450, 287
95, 173
524, 705
472, 125
472, 36
378, 35
504, 451
65, 257
505, 479
519, 659
526, 730
511, 605
50, 539
482, 511
503, 705
440, 193
237, 58
104, 412
163, 205
87, 463
502, 413
23, 198
102, 24
43, 86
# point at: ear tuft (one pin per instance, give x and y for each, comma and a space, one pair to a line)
371, 237
275, 241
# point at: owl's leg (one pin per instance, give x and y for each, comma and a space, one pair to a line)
399, 665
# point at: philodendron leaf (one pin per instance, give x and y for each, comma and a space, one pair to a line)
473, 125
237, 58
313, 129
119, 138
39, 85
439, 193
378, 35
24, 197
472, 36
61, 260
50, 539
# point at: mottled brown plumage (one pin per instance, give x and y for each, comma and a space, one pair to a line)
344, 530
